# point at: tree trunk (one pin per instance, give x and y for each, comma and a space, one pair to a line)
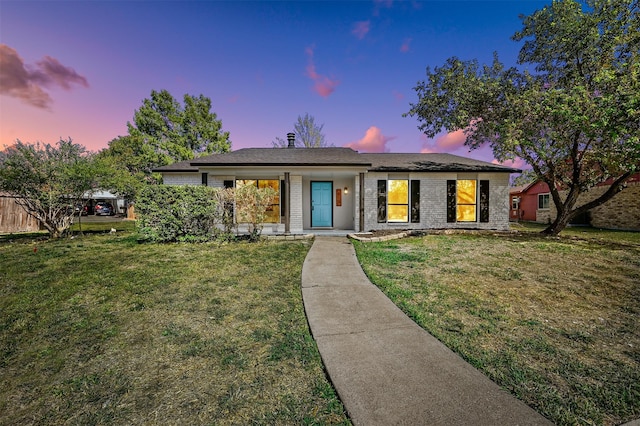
562, 220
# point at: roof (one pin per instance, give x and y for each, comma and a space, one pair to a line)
338, 157
285, 156
431, 163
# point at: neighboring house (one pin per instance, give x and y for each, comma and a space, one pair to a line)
14, 218
533, 203
339, 188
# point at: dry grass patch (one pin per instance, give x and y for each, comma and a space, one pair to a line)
102, 330
555, 321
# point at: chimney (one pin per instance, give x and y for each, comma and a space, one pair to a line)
291, 137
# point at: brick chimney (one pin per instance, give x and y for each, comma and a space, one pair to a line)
291, 137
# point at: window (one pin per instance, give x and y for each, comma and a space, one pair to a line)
398, 201
463, 203
273, 211
543, 201
205, 179
514, 203
395, 196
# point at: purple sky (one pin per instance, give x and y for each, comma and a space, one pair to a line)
79, 69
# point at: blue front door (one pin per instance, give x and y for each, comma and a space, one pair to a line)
321, 204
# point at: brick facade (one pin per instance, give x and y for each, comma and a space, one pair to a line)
620, 212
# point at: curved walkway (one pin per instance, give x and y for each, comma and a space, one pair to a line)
386, 369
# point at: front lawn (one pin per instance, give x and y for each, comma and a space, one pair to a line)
102, 330
556, 321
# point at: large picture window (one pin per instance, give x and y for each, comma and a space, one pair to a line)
273, 211
463, 202
398, 201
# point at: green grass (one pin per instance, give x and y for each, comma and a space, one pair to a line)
556, 321
586, 232
101, 330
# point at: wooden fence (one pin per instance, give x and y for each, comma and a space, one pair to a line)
13, 218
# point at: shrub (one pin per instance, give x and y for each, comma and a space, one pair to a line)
179, 213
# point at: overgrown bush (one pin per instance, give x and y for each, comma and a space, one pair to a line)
200, 213
251, 205
179, 213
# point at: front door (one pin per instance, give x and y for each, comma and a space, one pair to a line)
321, 204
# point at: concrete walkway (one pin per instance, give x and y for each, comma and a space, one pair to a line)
386, 369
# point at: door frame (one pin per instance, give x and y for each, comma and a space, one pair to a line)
330, 182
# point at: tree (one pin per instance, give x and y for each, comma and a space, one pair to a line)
308, 134
575, 121
164, 132
49, 181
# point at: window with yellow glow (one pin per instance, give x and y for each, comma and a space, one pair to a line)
273, 211
398, 201
466, 196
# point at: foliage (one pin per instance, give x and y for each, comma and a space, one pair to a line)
575, 121
524, 178
200, 213
178, 213
251, 207
49, 181
164, 131
308, 134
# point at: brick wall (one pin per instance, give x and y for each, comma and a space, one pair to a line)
620, 212
295, 204
433, 201
182, 179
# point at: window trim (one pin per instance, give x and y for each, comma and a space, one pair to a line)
541, 197
482, 204
413, 201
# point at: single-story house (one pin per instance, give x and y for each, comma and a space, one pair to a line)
342, 189
533, 203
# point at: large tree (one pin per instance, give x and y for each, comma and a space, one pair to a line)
164, 131
575, 118
308, 134
49, 181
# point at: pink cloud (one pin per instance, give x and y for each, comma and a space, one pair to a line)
450, 141
27, 83
399, 96
405, 45
361, 28
517, 163
373, 141
323, 85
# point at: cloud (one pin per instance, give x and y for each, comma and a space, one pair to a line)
323, 85
405, 45
517, 163
361, 28
373, 141
399, 96
28, 82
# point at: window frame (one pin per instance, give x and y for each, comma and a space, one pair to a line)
482, 204
412, 204
541, 198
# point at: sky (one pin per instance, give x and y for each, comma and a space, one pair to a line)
80, 69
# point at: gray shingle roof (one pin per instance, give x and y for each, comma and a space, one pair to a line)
285, 156
389, 162
338, 157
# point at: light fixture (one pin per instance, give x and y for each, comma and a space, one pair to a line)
346, 190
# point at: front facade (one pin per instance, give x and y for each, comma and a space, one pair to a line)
341, 189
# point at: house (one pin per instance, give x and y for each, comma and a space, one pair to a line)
342, 189
533, 203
